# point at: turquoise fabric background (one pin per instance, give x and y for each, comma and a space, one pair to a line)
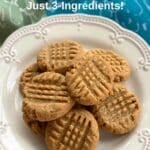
135, 15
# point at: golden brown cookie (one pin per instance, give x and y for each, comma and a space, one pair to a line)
77, 130
46, 97
119, 113
119, 65
90, 79
58, 56
36, 126
28, 74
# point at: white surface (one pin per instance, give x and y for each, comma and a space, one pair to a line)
20, 50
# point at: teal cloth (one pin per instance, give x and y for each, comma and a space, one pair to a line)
135, 16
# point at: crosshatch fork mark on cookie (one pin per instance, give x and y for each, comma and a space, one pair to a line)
58, 56
119, 112
47, 97
72, 131
79, 126
63, 53
118, 106
90, 80
50, 94
91, 74
119, 65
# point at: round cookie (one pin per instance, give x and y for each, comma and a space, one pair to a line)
119, 113
77, 130
119, 65
28, 74
58, 56
46, 97
36, 126
90, 79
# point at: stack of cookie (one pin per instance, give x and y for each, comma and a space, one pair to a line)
70, 94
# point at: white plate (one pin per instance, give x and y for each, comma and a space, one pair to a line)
20, 50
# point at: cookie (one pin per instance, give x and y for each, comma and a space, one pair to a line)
90, 79
119, 113
46, 97
77, 130
119, 65
36, 126
28, 74
58, 56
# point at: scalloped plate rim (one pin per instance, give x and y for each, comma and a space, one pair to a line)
79, 14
